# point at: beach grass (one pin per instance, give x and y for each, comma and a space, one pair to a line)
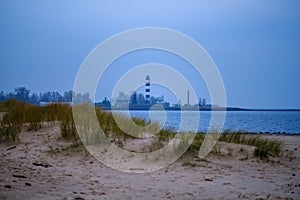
15, 114
264, 147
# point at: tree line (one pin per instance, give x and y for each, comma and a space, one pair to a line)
23, 94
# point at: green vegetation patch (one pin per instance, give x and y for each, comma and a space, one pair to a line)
14, 114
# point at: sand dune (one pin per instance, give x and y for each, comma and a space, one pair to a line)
38, 168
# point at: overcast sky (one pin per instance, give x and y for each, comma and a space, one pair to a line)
254, 43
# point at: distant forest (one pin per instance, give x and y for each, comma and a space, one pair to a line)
23, 94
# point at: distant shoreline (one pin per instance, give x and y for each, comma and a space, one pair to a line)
202, 109
287, 110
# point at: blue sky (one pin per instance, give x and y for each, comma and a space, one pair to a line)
254, 43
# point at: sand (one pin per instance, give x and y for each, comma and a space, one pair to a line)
38, 168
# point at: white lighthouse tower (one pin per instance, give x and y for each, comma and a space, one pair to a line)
147, 89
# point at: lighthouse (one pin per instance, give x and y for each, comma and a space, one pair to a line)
147, 89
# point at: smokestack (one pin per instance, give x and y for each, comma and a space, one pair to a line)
188, 97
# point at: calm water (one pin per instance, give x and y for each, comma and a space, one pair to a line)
249, 121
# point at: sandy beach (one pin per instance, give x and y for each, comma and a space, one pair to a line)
37, 168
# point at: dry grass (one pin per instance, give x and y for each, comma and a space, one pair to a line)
263, 147
15, 114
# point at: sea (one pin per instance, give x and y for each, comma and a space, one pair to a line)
271, 122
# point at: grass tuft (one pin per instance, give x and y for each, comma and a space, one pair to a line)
263, 147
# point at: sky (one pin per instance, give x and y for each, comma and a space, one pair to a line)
254, 43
